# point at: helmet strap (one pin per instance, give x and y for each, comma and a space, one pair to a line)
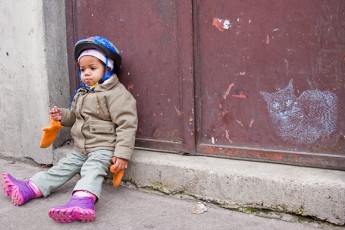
106, 67
106, 75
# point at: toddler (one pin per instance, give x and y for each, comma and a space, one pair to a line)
103, 117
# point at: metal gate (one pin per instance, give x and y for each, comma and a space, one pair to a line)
256, 80
156, 43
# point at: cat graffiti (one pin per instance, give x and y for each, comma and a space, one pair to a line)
302, 119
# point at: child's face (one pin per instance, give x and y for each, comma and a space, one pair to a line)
92, 70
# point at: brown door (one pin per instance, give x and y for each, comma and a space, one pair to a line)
257, 79
156, 42
270, 80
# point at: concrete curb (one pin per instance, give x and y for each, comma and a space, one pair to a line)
317, 193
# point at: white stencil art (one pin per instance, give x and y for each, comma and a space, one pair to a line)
304, 119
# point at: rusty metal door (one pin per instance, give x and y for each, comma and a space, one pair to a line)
257, 79
156, 42
270, 80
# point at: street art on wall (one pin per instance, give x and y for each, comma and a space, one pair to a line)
302, 119
221, 24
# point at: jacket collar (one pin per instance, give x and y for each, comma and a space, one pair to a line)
108, 84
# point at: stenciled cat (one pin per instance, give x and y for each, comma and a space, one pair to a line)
304, 119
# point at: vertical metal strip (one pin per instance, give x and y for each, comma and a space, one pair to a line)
196, 72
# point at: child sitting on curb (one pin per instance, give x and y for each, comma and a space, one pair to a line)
103, 117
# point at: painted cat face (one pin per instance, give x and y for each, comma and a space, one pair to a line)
302, 119
281, 102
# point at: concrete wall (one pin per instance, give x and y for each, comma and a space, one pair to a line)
33, 73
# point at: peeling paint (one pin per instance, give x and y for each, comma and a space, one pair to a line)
267, 39
221, 24
251, 122
228, 90
190, 120
223, 113
241, 95
179, 113
239, 122
227, 136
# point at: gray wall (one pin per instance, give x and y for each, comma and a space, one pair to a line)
33, 73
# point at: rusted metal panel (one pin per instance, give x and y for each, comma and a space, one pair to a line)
270, 80
156, 41
268, 74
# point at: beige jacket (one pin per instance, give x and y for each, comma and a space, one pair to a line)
103, 119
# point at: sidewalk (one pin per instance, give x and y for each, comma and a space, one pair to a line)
130, 208
241, 185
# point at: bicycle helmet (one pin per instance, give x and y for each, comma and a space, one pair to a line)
102, 44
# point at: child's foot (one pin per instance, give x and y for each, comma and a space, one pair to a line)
78, 208
19, 191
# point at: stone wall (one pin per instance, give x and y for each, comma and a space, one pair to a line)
33, 73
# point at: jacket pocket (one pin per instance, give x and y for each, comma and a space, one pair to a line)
102, 109
104, 127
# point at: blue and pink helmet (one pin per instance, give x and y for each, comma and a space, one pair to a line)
103, 45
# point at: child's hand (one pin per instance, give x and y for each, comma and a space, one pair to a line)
55, 113
119, 164
118, 169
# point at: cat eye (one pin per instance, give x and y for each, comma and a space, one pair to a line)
275, 105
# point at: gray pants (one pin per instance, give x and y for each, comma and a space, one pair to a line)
93, 169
